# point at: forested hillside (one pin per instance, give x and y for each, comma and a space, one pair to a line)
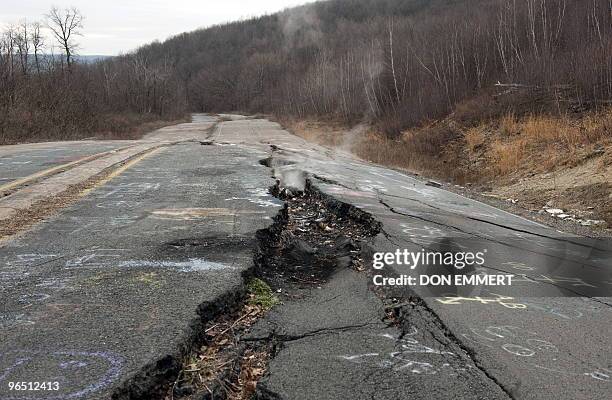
392, 63
396, 62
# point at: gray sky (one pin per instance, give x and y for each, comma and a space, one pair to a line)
115, 26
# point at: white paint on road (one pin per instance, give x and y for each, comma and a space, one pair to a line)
191, 265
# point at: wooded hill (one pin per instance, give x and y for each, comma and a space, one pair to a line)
396, 62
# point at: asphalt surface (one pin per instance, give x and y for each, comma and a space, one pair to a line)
113, 284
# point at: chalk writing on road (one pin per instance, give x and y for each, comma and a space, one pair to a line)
527, 346
78, 373
410, 356
505, 301
577, 308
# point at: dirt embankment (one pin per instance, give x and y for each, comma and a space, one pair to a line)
557, 166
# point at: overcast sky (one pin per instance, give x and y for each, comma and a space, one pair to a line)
115, 26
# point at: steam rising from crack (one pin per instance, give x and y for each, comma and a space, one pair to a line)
351, 138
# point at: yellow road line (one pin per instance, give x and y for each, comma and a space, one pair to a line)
53, 170
44, 173
121, 170
84, 192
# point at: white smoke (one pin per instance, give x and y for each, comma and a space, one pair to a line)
291, 178
301, 27
352, 137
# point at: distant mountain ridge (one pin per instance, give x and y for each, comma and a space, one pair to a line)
83, 58
91, 58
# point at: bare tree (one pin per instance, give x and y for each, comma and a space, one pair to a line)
37, 41
397, 96
8, 50
65, 24
22, 43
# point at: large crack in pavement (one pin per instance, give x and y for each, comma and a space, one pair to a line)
153, 379
339, 313
333, 335
310, 238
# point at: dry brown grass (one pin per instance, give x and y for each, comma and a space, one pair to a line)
104, 126
507, 146
541, 143
507, 157
428, 150
475, 138
326, 133
508, 125
219, 366
133, 127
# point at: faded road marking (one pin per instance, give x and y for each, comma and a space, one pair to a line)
121, 170
188, 214
53, 170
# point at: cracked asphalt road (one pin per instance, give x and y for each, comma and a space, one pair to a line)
115, 282
103, 296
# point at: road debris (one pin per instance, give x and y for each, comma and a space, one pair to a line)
577, 217
223, 367
554, 211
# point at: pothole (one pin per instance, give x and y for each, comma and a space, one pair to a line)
275, 162
211, 242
